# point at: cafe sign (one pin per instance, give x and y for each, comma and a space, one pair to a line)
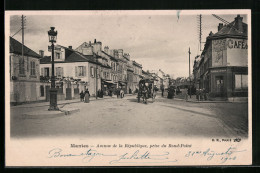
237, 44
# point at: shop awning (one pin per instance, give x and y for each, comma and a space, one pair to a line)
109, 82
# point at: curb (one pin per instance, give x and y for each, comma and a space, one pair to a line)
191, 101
47, 114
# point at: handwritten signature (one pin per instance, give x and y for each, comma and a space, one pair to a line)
87, 156
146, 157
210, 154
135, 157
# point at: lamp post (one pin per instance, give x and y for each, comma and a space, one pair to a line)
53, 91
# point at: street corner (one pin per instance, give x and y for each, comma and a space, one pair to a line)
42, 114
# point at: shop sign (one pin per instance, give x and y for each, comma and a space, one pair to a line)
237, 44
218, 70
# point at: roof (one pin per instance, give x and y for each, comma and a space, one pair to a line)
16, 47
137, 64
113, 58
232, 30
72, 56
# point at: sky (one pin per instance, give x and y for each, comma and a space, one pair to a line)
155, 41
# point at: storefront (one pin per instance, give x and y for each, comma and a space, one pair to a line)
229, 82
108, 86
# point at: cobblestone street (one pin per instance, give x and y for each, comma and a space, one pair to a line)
125, 117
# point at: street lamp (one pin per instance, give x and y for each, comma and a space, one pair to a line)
53, 91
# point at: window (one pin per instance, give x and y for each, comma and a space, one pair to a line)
241, 81
21, 66
92, 72
57, 55
42, 90
80, 71
59, 71
33, 73
46, 72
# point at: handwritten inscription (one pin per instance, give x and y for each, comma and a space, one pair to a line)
210, 154
148, 156
86, 156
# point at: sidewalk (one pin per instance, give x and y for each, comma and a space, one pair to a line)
61, 102
194, 100
39, 110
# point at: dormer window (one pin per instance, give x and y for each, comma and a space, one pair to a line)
57, 55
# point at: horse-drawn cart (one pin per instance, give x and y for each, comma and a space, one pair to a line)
147, 90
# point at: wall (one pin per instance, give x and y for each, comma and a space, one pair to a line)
85, 49
92, 81
219, 53
27, 60
24, 91
237, 52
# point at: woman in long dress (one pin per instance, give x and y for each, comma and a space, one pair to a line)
87, 96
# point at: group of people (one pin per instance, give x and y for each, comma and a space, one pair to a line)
84, 96
120, 93
201, 94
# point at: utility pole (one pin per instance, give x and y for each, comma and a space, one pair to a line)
189, 71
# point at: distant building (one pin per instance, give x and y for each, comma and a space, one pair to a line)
222, 68
24, 74
137, 74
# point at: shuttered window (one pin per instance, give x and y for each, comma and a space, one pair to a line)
80, 71
92, 72
21, 66
59, 72
33, 72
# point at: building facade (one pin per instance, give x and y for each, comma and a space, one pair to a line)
74, 72
222, 69
137, 74
24, 74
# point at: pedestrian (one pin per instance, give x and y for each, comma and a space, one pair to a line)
122, 93
101, 93
82, 95
87, 96
117, 92
185, 92
162, 91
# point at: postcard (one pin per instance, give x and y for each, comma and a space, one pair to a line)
128, 88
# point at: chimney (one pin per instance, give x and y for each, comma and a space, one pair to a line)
70, 47
120, 53
211, 33
239, 23
95, 40
220, 26
106, 48
41, 52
